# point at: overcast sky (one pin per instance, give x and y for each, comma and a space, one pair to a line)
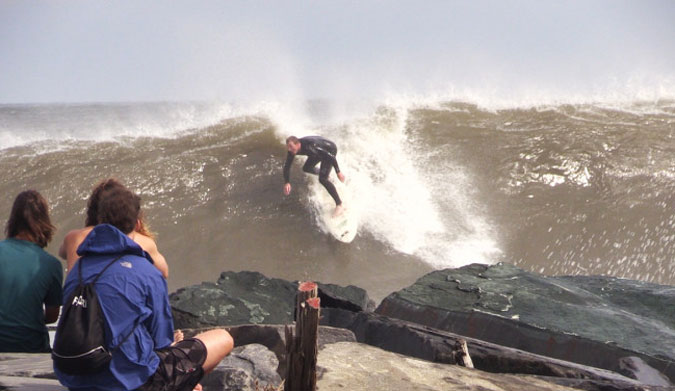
84, 51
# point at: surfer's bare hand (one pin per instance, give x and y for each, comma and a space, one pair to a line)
287, 189
341, 177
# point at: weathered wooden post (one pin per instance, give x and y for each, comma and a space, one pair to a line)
302, 348
462, 354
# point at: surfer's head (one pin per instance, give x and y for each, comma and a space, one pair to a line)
293, 144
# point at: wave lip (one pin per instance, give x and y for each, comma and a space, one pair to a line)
97, 122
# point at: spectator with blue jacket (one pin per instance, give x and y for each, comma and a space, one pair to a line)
134, 298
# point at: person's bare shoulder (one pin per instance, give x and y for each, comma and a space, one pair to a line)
150, 246
147, 243
71, 242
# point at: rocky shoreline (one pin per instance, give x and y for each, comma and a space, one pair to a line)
523, 331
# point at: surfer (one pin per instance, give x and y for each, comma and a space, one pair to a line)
317, 149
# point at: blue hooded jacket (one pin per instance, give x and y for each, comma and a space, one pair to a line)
131, 291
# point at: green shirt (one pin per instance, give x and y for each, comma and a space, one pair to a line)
29, 278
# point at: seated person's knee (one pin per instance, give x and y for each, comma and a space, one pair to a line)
218, 344
226, 340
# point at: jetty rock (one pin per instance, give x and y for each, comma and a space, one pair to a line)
239, 298
248, 368
340, 366
355, 366
443, 347
595, 321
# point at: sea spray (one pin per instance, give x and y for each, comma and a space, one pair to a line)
397, 199
60, 125
556, 189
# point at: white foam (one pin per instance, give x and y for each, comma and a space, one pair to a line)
396, 200
28, 124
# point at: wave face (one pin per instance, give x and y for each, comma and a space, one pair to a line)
559, 189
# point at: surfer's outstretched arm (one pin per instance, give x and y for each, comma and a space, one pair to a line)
287, 173
287, 167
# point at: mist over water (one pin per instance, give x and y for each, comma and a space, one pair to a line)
494, 54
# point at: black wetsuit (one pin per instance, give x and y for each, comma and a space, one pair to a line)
317, 149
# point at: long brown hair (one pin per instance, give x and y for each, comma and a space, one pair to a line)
30, 219
144, 228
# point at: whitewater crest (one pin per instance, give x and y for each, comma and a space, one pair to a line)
563, 189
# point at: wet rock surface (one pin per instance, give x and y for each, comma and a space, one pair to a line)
523, 332
236, 298
594, 321
439, 346
252, 298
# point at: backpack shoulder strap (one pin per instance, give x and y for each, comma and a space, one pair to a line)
79, 269
102, 271
114, 348
94, 282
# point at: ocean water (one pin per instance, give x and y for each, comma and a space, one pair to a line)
556, 188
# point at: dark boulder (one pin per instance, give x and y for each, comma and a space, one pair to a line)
439, 346
250, 367
593, 321
251, 298
350, 297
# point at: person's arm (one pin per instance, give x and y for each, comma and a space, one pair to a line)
149, 246
54, 296
63, 253
287, 167
71, 242
287, 173
327, 150
69, 245
328, 156
159, 261
335, 165
51, 314
160, 322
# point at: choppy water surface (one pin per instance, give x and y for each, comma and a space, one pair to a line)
563, 189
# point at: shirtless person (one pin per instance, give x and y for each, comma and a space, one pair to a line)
134, 302
140, 235
317, 149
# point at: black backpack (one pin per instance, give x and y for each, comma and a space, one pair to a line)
79, 343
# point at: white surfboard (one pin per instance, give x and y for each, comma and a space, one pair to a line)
343, 227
